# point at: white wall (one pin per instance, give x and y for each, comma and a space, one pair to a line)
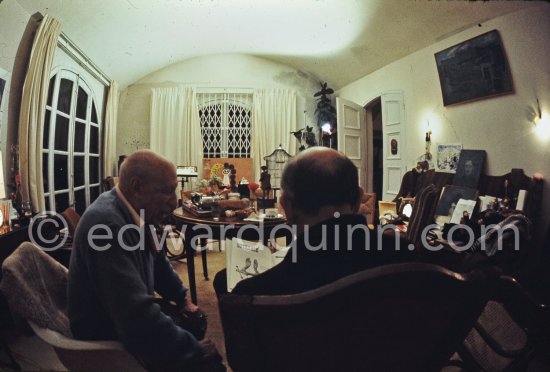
227, 70
501, 125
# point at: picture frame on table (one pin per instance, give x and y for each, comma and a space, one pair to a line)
452, 194
469, 168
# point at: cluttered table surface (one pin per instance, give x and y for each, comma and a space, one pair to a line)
197, 229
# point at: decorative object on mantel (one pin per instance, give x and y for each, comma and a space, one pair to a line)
474, 69
326, 116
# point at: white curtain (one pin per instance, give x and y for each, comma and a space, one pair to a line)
273, 119
33, 107
175, 126
109, 145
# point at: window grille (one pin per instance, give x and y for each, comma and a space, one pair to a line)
225, 124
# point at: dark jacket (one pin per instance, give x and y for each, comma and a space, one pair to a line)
334, 252
111, 292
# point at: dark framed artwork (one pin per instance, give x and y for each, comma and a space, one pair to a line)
474, 69
2, 85
470, 167
450, 195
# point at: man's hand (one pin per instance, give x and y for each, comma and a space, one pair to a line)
189, 307
193, 319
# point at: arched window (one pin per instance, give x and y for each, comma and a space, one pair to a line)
71, 144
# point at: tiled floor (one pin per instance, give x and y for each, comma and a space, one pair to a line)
33, 354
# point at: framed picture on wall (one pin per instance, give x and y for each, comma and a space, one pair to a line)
447, 157
474, 69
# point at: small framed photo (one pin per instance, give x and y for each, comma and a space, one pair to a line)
450, 195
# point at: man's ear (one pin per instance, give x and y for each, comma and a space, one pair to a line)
135, 186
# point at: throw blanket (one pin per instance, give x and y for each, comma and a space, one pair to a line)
497, 235
35, 286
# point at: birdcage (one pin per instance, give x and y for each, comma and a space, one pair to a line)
275, 164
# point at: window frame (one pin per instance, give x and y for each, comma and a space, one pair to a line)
226, 100
49, 152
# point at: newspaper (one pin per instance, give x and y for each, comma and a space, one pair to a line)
246, 259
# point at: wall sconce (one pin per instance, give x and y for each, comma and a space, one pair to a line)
541, 123
328, 135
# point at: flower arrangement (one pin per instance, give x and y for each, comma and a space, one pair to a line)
215, 180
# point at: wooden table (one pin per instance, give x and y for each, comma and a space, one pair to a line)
197, 230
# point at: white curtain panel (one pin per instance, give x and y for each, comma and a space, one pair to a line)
175, 126
273, 119
109, 145
33, 107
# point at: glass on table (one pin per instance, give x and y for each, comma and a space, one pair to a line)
216, 211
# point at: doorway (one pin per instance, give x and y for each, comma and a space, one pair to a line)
373, 111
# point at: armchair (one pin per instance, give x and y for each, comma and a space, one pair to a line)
35, 286
397, 317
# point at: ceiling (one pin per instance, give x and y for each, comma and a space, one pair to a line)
338, 41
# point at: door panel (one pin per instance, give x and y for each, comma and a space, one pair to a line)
393, 132
352, 137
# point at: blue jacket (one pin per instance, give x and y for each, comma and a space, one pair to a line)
111, 291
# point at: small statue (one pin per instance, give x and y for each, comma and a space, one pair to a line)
226, 172
232, 177
265, 180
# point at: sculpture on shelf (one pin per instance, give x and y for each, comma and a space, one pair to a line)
305, 137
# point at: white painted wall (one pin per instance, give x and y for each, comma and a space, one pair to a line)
226, 70
501, 125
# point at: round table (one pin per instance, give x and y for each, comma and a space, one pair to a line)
198, 229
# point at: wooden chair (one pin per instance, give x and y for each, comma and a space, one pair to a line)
401, 317
512, 328
72, 218
367, 207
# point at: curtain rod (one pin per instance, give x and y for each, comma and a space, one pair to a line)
69, 47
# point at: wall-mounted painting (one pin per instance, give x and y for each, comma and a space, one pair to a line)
447, 157
474, 69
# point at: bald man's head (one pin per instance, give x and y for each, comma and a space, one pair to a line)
149, 182
320, 177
